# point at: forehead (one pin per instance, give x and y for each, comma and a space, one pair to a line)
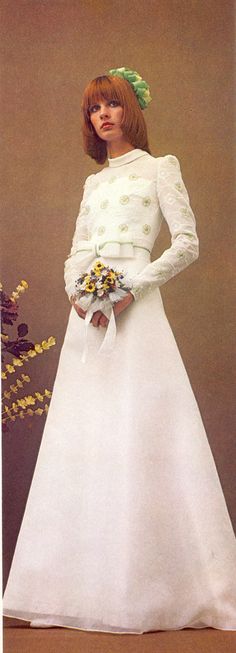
97, 96
102, 88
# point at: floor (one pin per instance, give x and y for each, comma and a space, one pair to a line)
19, 638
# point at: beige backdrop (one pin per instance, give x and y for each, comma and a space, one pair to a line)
51, 49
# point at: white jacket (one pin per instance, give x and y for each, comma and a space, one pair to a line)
121, 212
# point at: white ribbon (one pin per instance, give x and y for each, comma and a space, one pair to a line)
110, 335
106, 307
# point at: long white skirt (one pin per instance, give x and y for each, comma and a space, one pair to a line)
126, 528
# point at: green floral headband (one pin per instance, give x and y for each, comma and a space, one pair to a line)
140, 87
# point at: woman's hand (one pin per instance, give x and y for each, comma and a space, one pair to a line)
78, 309
98, 318
123, 303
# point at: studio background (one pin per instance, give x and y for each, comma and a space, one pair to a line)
50, 50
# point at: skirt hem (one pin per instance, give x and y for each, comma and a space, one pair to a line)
54, 623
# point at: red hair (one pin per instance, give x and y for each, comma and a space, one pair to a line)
133, 124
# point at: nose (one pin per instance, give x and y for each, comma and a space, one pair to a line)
104, 111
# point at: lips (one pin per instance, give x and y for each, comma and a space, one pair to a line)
107, 124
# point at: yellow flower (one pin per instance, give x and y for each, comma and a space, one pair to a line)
111, 277
99, 265
29, 411
46, 407
3, 375
6, 394
47, 393
17, 361
90, 287
24, 283
32, 353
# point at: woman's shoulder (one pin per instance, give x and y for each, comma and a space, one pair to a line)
162, 165
93, 180
89, 180
166, 159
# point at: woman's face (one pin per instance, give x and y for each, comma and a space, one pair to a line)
106, 116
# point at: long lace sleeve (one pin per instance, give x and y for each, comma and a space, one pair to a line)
175, 207
81, 234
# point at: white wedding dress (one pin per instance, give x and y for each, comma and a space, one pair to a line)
126, 528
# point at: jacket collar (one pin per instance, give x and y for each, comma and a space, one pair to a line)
136, 153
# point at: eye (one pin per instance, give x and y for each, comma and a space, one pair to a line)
93, 108
114, 103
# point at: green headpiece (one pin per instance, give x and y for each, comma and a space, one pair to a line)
140, 87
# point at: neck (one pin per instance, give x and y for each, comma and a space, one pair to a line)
117, 149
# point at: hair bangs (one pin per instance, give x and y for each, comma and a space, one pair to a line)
102, 87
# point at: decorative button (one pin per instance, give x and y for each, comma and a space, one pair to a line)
178, 185
124, 199
146, 228
146, 201
101, 229
104, 204
133, 177
123, 227
86, 209
111, 180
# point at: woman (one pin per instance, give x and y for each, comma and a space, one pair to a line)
126, 528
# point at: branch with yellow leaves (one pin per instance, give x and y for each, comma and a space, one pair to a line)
10, 368
23, 351
20, 407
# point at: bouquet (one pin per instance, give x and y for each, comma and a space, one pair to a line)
101, 287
